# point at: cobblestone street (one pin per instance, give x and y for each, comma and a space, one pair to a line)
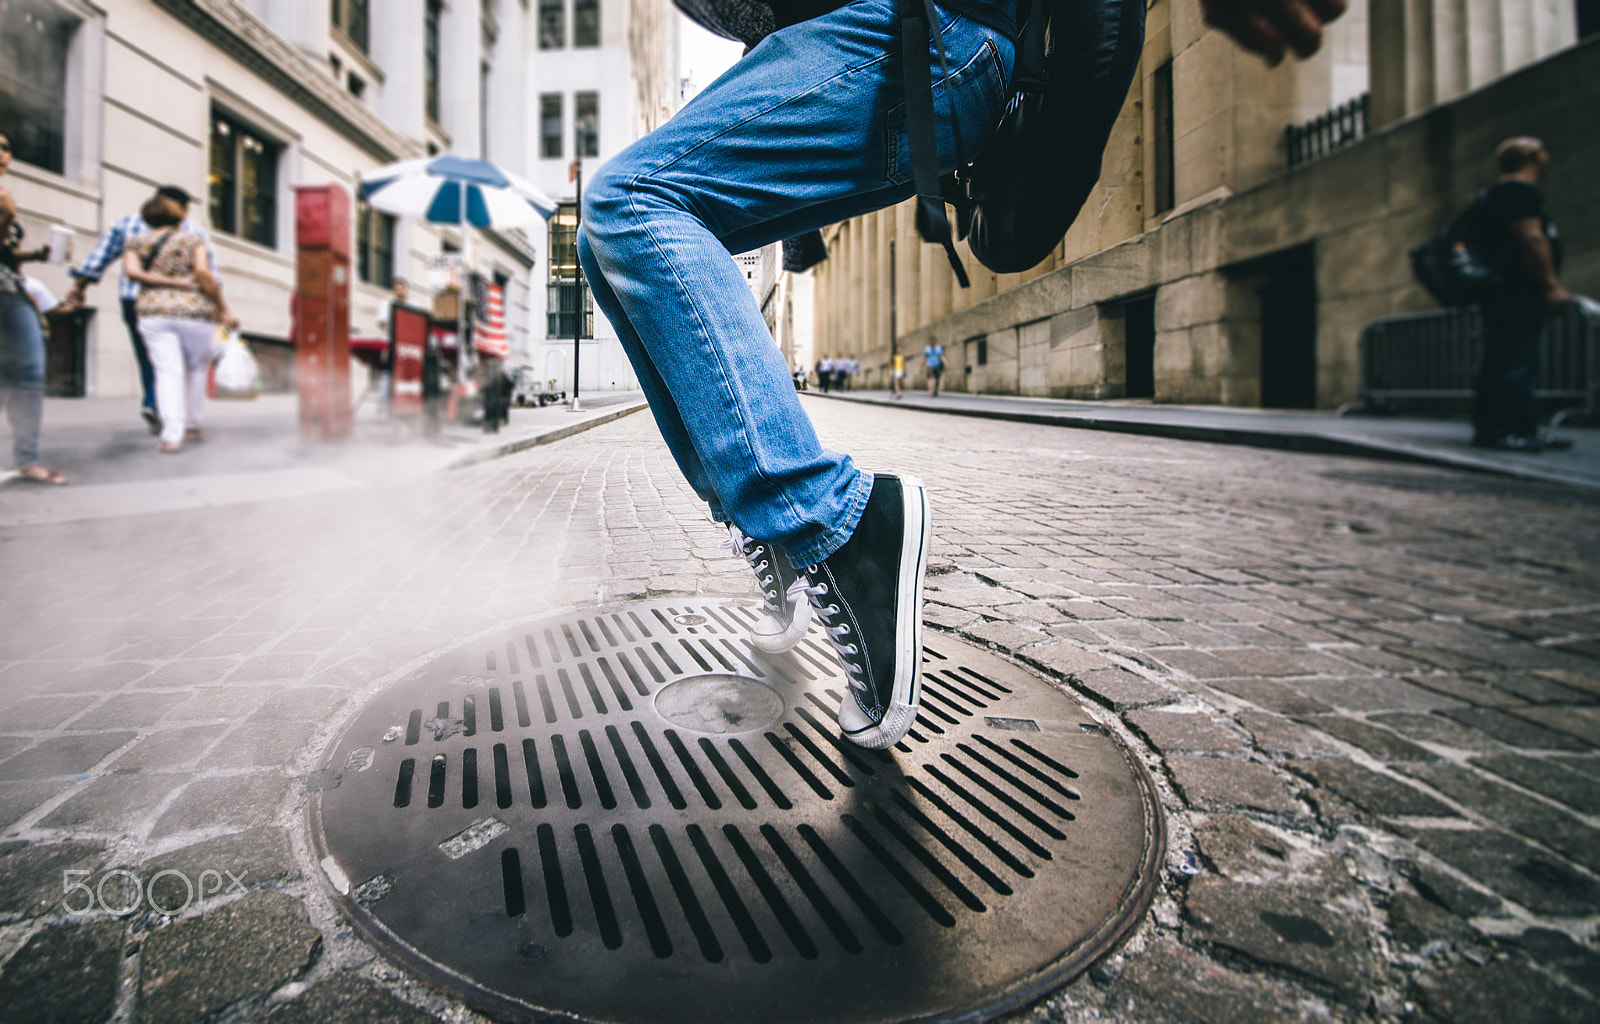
1369, 693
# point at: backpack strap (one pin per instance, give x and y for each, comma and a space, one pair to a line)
917, 27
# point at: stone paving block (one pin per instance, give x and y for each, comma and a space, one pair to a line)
61, 756
275, 667
1433, 728
197, 672
1272, 696
946, 617
347, 999
217, 803
113, 803
1214, 784
260, 742
19, 799
1500, 992
229, 702
1567, 836
1277, 664
129, 710
240, 644
1377, 658
255, 857
1279, 925
1380, 743
1580, 965
1171, 732
1547, 776
1277, 736
1198, 664
1581, 723
1370, 694
67, 973
98, 678
1514, 869
1065, 658
1170, 982
1587, 680
1005, 635
1478, 792
1242, 849
1512, 731
306, 703
173, 747
1421, 925
1439, 657
31, 879
197, 968
39, 713
1376, 794
1120, 689
1439, 886
1532, 688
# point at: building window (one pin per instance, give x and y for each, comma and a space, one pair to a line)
34, 39
374, 246
356, 86
552, 24
585, 22
430, 60
351, 17
1163, 183
243, 197
562, 300
550, 125
586, 111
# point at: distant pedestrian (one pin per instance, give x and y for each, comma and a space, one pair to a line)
825, 373
179, 306
933, 358
111, 247
841, 372
21, 342
897, 374
1514, 235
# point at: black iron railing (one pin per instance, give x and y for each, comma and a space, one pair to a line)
1336, 129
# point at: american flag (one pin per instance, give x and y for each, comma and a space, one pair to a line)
491, 328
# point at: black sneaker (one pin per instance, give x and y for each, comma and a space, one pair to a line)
784, 619
868, 596
151, 419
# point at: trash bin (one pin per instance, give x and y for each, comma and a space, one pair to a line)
66, 353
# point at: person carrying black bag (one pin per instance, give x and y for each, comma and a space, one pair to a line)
1514, 236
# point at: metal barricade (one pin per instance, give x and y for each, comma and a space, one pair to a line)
1432, 358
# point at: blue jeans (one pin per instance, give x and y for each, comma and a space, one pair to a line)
806, 130
21, 374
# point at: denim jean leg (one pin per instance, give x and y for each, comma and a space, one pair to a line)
147, 370
21, 375
803, 132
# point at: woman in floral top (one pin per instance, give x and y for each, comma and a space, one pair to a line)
180, 304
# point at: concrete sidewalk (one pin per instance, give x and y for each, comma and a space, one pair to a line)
253, 451
1437, 442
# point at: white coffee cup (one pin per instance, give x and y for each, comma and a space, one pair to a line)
60, 244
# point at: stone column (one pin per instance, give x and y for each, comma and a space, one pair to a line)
396, 41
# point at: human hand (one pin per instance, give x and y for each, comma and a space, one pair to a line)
1270, 28
1557, 297
228, 320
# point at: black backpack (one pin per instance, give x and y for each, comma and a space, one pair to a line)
1075, 61
1449, 264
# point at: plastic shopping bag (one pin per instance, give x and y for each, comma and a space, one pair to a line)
236, 374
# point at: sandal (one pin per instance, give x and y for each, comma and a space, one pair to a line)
168, 447
40, 475
194, 434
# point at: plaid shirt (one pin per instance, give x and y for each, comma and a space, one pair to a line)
111, 246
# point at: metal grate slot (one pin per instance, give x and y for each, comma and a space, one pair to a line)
644, 900
641, 798
759, 773
897, 871
661, 652
932, 863
511, 657
665, 622
785, 915
531, 645
622, 627
469, 778
402, 784
569, 781
414, 728
964, 685
1044, 758
937, 712
829, 732
488, 661
717, 615
502, 777
704, 936
519, 696
436, 774
935, 693
599, 896
565, 683
649, 666
696, 776
971, 827
689, 648
633, 676
572, 640
982, 807
644, 631
469, 716
813, 892
657, 765
945, 839
818, 657
545, 702
555, 889
847, 881
511, 882
588, 635
1022, 765
552, 648
616, 685
799, 767
602, 783
594, 691
1016, 783
827, 762
754, 941
1001, 795
985, 680
729, 779
605, 632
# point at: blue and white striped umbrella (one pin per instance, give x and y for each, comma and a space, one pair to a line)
455, 190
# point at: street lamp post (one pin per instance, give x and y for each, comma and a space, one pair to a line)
577, 267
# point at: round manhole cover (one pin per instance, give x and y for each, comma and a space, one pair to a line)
632, 815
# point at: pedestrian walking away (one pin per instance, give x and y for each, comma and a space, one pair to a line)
897, 374
1513, 235
111, 247
179, 306
933, 358
825, 373
21, 342
796, 136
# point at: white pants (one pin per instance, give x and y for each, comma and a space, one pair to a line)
180, 351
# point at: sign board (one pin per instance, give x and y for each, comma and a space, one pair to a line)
408, 341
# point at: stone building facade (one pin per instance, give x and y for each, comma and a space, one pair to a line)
238, 101
1204, 267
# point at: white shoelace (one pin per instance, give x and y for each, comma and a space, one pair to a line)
766, 575
804, 588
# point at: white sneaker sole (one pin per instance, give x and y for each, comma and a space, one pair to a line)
769, 637
907, 692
